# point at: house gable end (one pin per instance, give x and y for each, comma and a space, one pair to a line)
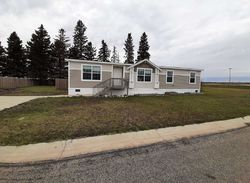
145, 61
144, 65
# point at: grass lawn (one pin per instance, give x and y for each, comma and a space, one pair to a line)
51, 119
33, 91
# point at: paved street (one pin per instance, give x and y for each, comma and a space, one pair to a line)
217, 158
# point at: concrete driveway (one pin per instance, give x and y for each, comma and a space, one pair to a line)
10, 101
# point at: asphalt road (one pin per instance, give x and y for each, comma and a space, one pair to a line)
217, 158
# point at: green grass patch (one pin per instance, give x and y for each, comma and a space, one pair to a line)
34, 91
50, 119
229, 85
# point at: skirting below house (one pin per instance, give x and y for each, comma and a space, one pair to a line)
131, 91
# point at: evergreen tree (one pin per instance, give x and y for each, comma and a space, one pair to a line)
3, 59
143, 48
2, 50
77, 51
16, 62
129, 50
115, 56
90, 52
118, 57
59, 53
104, 53
39, 52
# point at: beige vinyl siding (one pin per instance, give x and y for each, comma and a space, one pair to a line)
139, 84
179, 72
181, 80
77, 66
183, 72
181, 77
127, 76
144, 65
75, 79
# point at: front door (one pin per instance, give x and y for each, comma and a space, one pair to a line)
117, 75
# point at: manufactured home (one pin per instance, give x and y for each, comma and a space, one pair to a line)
95, 78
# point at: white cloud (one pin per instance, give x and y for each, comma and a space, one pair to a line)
212, 35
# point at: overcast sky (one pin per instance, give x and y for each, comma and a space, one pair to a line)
209, 34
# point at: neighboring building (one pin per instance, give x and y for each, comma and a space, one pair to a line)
91, 78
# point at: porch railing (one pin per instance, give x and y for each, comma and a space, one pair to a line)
106, 87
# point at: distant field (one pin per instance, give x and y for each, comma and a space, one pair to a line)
33, 91
228, 85
50, 119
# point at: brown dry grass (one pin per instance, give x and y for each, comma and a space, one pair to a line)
51, 119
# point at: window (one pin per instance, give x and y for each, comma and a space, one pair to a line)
144, 75
91, 72
96, 73
192, 78
170, 76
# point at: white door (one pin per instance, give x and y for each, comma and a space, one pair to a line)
117, 73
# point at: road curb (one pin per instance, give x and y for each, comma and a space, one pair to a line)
92, 145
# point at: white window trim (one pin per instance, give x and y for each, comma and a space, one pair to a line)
144, 75
167, 77
91, 73
190, 78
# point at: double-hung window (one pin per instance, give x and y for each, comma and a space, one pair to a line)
192, 78
170, 77
144, 75
91, 72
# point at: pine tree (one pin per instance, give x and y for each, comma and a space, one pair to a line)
129, 50
90, 52
16, 62
143, 48
39, 52
77, 51
118, 57
3, 60
59, 53
104, 53
115, 56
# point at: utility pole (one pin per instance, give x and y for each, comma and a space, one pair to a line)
230, 75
